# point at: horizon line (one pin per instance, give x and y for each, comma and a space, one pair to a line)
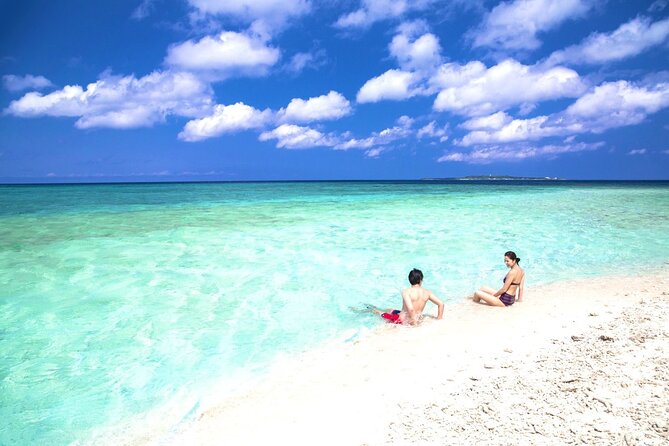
418, 180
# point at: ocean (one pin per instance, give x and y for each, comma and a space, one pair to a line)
129, 302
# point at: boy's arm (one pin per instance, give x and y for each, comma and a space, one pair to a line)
435, 300
409, 306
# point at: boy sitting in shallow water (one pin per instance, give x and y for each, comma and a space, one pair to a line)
413, 302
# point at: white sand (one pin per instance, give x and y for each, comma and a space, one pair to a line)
534, 373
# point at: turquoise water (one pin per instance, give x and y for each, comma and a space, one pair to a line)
122, 300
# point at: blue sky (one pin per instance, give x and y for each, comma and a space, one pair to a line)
157, 90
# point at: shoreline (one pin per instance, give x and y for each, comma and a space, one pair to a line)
356, 393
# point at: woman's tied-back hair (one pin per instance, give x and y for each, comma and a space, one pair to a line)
512, 256
415, 276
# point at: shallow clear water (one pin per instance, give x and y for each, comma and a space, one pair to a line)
117, 300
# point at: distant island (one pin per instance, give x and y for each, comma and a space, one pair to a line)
495, 178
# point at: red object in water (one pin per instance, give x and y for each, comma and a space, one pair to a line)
393, 318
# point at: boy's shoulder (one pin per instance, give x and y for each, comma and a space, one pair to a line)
420, 291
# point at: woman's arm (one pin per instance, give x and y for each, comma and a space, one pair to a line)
507, 283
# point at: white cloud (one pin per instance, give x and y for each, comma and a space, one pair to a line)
658, 5
402, 129
13, 82
301, 61
507, 153
637, 152
415, 50
239, 117
273, 12
514, 25
290, 136
491, 122
375, 152
516, 130
225, 55
431, 130
392, 85
143, 10
610, 105
455, 75
418, 54
504, 85
320, 108
225, 119
121, 102
372, 11
617, 104
666, 152
630, 39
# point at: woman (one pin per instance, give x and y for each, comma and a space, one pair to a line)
514, 283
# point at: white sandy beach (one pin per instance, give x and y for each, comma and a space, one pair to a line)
583, 362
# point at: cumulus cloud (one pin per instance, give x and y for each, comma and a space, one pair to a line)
497, 153
491, 122
502, 86
515, 130
637, 152
320, 108
372, 11
455, 75
415, 49
418, 54
225, 119
617, 104
400, 130
121, 102
239, 117
271, 12
630, 39
431, 130
12, 82
227, 54
514, 25
391, 85
610, 105
290, 136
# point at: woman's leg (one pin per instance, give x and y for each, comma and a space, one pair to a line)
488, 298
484, 289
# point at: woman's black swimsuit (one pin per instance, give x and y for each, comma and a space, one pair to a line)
506, 298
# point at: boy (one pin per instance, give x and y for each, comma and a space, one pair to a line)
413, 302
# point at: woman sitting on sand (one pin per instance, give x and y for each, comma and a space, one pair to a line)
514, 283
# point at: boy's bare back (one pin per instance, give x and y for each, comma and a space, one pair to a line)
414, 300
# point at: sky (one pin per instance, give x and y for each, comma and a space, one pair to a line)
220, 90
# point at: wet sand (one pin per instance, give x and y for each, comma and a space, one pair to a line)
582, 362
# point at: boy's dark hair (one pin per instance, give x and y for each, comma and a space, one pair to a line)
415, 276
